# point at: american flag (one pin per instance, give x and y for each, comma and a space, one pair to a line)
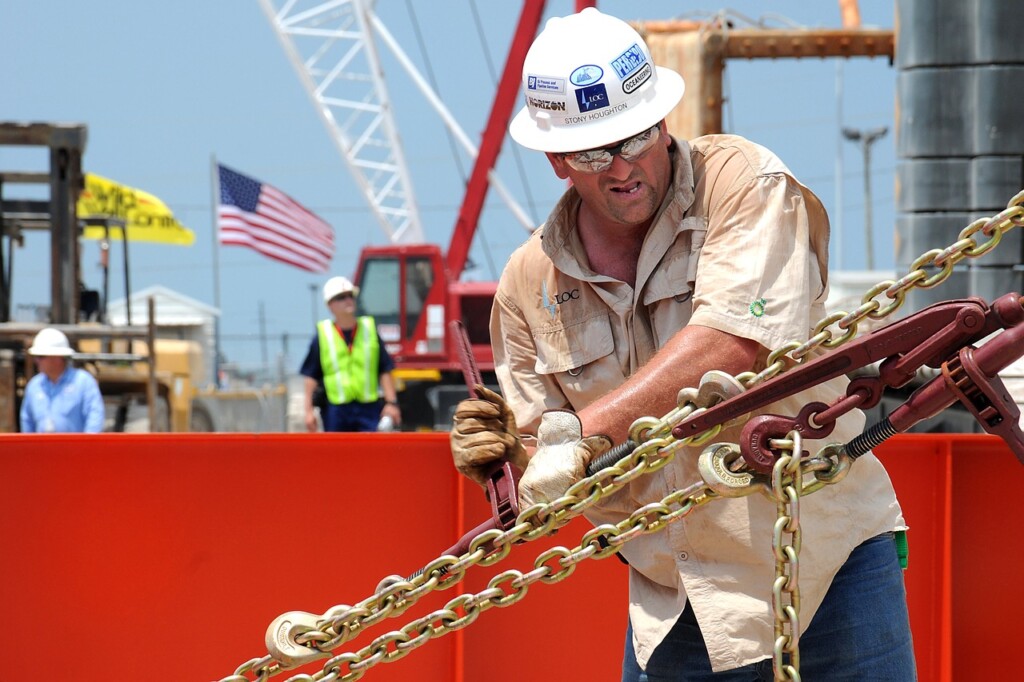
264, 218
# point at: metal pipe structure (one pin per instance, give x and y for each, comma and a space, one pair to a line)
866, 139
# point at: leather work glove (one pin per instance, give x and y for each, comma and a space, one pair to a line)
484, 433
561, 458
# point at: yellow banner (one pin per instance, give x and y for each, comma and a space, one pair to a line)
147, 218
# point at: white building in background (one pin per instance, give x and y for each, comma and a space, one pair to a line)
177, 317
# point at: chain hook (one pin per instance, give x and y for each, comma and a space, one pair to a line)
283, 633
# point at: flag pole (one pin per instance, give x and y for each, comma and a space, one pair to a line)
214, 205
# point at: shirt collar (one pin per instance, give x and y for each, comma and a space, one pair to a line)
562, 245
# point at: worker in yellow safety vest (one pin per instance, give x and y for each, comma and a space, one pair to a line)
348, 361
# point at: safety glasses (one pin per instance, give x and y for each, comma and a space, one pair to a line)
599, 160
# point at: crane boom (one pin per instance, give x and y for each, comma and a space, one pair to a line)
329, 44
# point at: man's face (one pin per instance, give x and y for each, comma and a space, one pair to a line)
342, 304
626, 193
50, 365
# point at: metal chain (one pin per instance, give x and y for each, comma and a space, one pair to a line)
787, 484
657, 448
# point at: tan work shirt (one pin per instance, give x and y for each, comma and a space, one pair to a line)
739, 246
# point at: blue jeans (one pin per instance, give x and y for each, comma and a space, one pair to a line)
860, 632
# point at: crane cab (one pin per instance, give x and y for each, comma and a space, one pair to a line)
410, 293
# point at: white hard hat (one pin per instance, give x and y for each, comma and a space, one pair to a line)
339, 285
50, 342
590, 82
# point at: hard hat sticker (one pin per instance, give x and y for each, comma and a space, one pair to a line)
629, 61
545, 84
637, 79
586, 74
547, 104
592, 98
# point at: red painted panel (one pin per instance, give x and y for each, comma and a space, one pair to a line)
920, 473
988, 555
166, 557
149, 557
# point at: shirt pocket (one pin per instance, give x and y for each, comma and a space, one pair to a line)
668, 296
580, 358
568, 346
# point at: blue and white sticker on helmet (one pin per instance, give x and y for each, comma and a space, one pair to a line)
545, 84
629, 61
592, 98
586, 74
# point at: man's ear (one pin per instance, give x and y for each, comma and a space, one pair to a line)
558, 164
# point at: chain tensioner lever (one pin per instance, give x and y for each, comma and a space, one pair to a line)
926, 337
970, 376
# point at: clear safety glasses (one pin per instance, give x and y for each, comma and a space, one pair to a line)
599, 160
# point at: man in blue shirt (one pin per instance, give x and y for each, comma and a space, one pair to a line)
348, 358
60, 398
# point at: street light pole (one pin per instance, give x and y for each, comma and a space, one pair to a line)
312, 291
866, 139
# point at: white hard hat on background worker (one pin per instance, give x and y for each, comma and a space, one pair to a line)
590, 82
51, 343
336, 286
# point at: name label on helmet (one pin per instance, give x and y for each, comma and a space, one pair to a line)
592, 98
586, 74
574, 120
545, 104
637, 79
629, 61
545, 84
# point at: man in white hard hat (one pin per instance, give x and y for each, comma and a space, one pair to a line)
666, 259
348, 358
60, 398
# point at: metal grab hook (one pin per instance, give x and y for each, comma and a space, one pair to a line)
282, 635
715, 467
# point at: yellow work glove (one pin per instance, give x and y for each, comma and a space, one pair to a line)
484, 432
561, 458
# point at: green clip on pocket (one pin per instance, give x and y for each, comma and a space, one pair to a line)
902, 549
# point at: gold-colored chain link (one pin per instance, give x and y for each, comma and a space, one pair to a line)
787, 484
657, 448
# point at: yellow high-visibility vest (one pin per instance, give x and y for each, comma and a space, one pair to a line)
350, 375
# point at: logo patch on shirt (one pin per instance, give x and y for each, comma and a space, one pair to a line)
757, 308
552, 303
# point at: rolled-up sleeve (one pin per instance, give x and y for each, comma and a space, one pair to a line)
761, 267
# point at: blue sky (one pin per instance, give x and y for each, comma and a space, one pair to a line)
164, 86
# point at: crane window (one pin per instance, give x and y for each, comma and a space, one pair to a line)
378, 291
419, 278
